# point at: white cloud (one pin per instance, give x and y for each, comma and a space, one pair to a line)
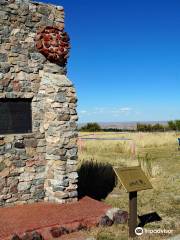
106, 110
82, 111
120, 111
125, 109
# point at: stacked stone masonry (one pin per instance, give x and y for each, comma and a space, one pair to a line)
40, 165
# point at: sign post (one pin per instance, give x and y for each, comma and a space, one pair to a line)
132, 213
133, 179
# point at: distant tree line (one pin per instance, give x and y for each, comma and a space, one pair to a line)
141, 127
91, 127
95, 127
171, 126
151, 128
174, 125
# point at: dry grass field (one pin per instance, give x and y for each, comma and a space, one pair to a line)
159, 157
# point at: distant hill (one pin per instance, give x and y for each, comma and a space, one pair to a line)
124, 125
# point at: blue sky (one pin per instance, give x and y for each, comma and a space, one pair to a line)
125, 58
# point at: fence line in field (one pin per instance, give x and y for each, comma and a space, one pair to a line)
113, 139
81, 142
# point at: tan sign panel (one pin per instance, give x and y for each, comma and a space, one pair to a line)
133, 178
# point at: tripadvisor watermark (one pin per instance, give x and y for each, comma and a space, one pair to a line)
140, 231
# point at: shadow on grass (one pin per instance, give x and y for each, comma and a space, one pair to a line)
96, 180
148, 218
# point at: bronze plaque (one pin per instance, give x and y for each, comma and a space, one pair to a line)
133, 178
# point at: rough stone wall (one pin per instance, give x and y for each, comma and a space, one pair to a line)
40, 165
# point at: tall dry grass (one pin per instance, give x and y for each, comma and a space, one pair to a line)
158, 155
124, 152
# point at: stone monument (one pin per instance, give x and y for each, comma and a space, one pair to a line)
38, 118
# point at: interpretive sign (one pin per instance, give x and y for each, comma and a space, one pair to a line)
133, 178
